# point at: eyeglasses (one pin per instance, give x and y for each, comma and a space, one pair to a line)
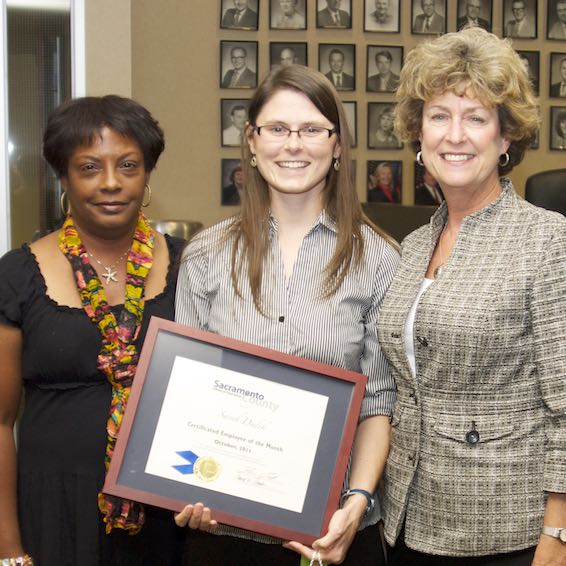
278, 132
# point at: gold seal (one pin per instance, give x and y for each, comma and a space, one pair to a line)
207, 468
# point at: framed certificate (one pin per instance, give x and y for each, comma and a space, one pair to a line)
261, 437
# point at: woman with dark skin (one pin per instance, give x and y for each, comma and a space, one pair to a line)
74, 308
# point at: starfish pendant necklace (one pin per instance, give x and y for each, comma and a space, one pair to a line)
111, 272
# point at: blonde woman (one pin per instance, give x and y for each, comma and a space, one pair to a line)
474, 325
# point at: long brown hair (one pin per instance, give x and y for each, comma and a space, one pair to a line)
250, 230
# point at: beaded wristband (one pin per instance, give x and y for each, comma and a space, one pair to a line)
18, 561
366, 494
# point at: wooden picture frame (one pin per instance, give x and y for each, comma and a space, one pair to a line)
203, 423
238, 64
384, 181
231, 17
338, 60
334, 14
380, 18
288, 14
428, 17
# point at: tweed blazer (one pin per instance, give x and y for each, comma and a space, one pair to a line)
490, 350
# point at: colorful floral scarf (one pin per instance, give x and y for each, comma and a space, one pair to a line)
118, 356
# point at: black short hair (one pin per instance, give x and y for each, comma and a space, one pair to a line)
78, 121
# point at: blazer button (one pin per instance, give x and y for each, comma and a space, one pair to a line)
422, 341
473, 436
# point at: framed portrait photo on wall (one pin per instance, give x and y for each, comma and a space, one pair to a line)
238, 64
239, 14
531, 61
287, 53
384, 181
338, 62
520, 19
474, 13
233, 118
380, 126
427, 189
334, 14
288, 14
384, 64
556, 20
351, 110
558, 128
382, 16
232, 182
428, 17
557, 85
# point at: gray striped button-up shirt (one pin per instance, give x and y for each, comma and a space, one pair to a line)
340, 330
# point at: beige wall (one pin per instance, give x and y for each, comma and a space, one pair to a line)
175, 73
108, 47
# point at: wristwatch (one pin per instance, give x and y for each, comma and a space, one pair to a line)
556, 532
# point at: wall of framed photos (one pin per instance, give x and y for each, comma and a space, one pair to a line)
182, 55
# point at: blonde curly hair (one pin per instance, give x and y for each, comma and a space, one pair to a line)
475, 63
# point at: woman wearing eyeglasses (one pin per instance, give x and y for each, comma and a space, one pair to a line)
301, 270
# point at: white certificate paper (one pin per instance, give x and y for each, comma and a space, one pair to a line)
237, 434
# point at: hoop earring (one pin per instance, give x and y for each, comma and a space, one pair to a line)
336, 164
144, 204
506, 159
420, 158
64, 209
253, 161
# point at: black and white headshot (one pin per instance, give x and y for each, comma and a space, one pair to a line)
556, 19
238, 64
337, 62
381, 116
381, 15
429, 16
531, 62
558, 127
383, 68
287, 54
234, 115
334, 13
239, 14
287, 14
474, 13
351, 117
558, 75
232, 182
520, 17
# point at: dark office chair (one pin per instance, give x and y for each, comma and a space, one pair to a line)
548, 190
396, 219
180, 228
